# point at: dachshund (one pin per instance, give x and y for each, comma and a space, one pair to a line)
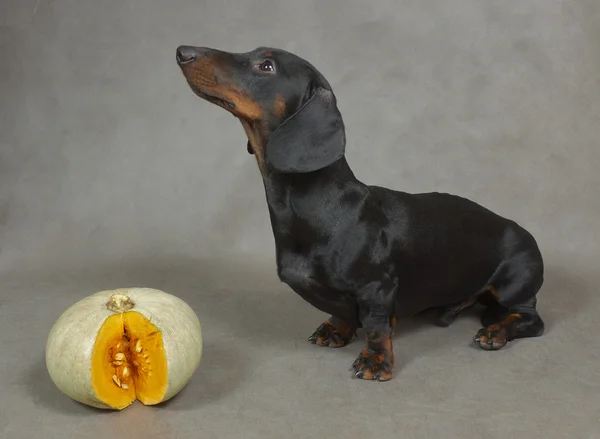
363, 254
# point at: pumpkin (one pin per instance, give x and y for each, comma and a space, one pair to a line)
118, 346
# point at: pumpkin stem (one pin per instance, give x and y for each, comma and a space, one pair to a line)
119, 303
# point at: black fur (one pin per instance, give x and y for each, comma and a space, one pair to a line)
367, 254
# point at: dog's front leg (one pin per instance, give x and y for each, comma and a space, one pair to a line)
376, 313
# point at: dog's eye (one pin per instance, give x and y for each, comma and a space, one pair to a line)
266, 66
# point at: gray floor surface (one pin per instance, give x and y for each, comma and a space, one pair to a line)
113, 174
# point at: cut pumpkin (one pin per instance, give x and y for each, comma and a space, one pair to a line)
115, 347
129, 361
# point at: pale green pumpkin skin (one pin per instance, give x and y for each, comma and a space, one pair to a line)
71, 340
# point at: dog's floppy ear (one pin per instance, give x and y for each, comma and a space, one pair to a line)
310, 139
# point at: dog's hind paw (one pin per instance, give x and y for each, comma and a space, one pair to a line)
330, 335
513, 326
491, 338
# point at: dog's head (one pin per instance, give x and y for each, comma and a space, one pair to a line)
286, 106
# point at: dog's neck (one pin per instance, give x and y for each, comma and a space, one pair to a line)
287, 193
290, 191
313, 205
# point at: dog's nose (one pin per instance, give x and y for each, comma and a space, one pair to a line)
187, 54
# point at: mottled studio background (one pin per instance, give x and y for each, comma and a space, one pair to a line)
112, 173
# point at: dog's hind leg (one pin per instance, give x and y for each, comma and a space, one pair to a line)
448, 314
333, 333
514, 315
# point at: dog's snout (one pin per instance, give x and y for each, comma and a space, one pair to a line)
187, 54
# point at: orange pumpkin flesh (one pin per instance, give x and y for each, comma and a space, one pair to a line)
129, 361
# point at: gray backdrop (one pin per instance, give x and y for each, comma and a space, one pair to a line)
114, 174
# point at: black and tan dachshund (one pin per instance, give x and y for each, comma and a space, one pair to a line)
364, 254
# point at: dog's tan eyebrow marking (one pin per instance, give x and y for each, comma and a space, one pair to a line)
268, 53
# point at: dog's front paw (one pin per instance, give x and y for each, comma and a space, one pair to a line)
372, 365
330, 335
491, 338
